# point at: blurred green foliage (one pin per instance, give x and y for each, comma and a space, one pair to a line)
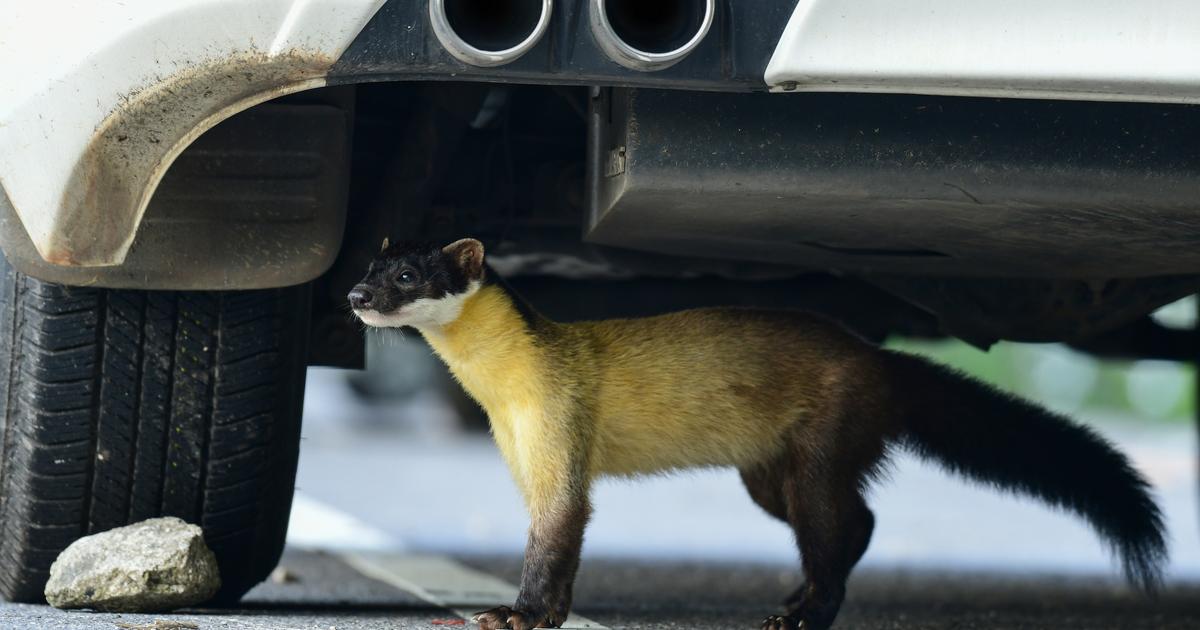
1075, 383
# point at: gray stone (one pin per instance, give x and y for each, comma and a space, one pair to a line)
153, 566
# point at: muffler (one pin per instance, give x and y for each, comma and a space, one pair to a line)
881, 183
489, 32
646, 36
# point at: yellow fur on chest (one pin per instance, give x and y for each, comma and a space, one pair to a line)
491, 353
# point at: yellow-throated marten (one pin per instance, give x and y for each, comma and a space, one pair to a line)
802, 408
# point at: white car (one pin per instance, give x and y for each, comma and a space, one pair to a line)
188, 188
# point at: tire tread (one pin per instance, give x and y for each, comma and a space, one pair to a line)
120, 405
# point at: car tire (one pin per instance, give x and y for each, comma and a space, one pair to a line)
121, 405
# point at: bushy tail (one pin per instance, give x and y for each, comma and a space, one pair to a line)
990, 436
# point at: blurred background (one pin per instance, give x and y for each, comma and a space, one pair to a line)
396, 457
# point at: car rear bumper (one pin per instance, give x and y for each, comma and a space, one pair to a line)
94, 110
1104, 50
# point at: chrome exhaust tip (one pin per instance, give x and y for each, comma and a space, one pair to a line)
489, 33
649, 35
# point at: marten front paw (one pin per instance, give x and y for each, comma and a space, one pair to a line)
780, 622
509, 619
493, 619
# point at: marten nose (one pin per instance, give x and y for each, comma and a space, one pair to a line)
360, 298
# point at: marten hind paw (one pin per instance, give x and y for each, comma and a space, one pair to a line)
503, 617
780, 622
796, 601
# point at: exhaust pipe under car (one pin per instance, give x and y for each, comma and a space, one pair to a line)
647, 36
489, 32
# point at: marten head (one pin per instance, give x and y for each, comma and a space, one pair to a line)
418, 284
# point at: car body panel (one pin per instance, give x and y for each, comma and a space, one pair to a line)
93, 111
1062, 49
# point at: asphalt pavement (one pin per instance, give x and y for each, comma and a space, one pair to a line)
327, 593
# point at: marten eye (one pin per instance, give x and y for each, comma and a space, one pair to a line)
407, 277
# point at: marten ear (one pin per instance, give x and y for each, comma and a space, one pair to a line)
385, 244
468, 254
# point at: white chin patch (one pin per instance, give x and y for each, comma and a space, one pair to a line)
422, 313
382, 320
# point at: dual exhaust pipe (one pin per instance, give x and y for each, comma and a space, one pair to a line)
644, 35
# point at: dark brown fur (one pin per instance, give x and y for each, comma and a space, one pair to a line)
816, 488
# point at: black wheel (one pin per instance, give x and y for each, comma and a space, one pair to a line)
118, 405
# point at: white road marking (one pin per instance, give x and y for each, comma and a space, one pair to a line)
377, 554
316, 525
446, 583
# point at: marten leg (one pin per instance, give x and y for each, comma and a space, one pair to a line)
548, 576
820, 493
557, 496
765, 485
830, 525
862, 522
862, 537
